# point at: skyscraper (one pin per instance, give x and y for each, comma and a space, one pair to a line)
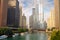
40, 15
24, 21
3, 12
33, 16
20, 23
57, 13
31, 21
13, 13
38, 20
51, 19
34, 19
17, 14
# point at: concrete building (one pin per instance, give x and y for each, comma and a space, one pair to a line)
57, 13
45, 24
17, 14
31, 21
13, 13
24, 21
34, 18
51, 19
20, 23
39, 16
3, 12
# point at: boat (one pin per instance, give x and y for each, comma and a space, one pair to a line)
3, 37
16, 34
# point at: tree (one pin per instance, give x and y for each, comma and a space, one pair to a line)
55, 35
9, 32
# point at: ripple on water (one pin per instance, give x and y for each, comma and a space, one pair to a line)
33, 36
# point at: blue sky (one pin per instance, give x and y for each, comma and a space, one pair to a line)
29, 4
48, 7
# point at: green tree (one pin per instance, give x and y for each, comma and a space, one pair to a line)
22, 30
5, 31
55, 35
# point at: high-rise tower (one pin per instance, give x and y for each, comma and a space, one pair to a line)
57, 13
20, 23
3, 12
13, 13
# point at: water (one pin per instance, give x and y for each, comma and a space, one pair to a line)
33, 36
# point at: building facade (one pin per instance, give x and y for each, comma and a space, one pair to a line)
31, 21
34, 18
24, 21
17, 14
20, 23
13, 17
3, 12
57, 13
51, 19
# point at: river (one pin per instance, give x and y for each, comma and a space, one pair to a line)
32, 36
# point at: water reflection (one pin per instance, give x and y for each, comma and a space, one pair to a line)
37, 36
33, 36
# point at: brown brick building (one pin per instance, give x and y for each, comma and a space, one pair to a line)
3, 12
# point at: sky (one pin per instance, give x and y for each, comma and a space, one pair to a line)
29, 4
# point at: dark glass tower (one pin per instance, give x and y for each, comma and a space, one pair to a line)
13, 14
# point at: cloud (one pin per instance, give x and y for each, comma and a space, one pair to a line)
27, 7
29, 4
48, 5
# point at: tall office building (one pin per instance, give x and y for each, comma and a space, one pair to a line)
51, 19
3, 12
13, 13
36, 15
57, 13
17, 14
40, 15
24, 21
31, 21
34, 18
20, 23
37, 12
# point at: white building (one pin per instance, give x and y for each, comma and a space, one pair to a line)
39, 16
